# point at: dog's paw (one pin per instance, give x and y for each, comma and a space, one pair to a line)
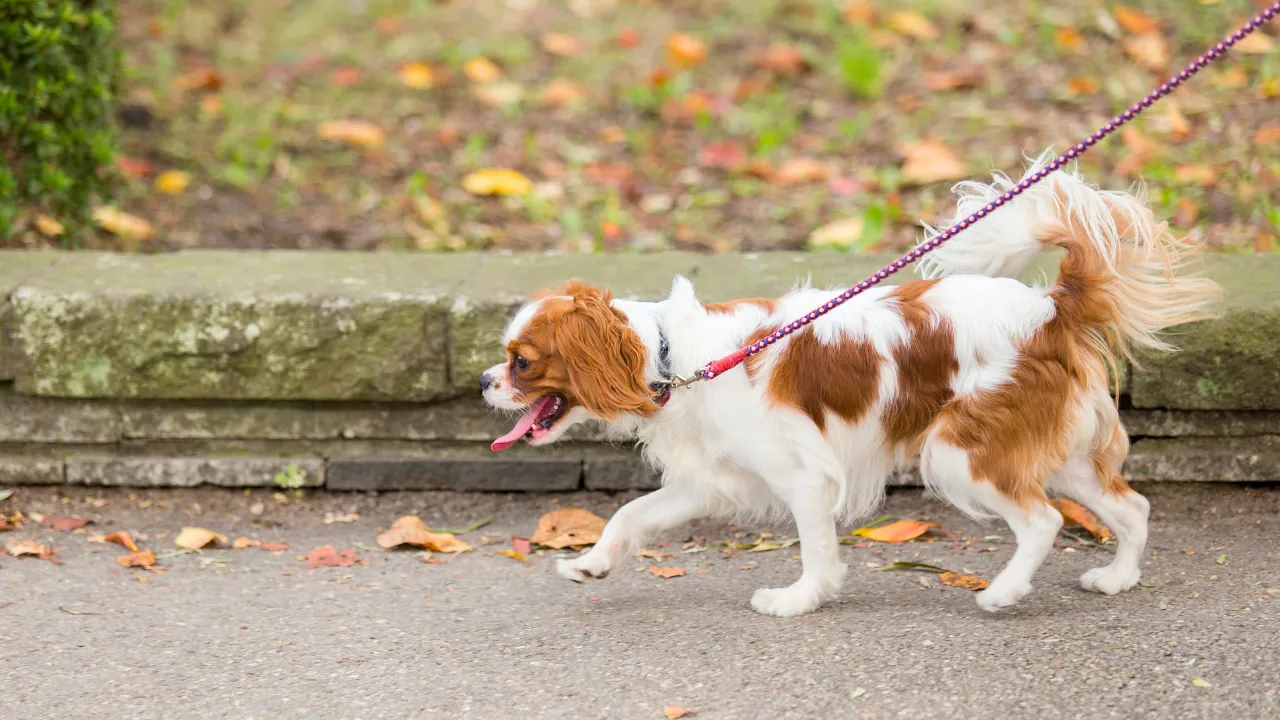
785, 602
1110, 580
580, 570
1000, 596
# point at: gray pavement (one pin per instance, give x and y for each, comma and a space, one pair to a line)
484, 636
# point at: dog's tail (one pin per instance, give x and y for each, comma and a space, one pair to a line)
1122, 280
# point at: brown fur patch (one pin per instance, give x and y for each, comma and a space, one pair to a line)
926, 365
724, 308
815, 377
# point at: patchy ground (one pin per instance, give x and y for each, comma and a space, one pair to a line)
485, 635
641, 125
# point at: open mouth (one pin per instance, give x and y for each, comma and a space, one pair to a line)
536, 421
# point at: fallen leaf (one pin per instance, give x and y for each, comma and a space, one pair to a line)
912, 24
211, 105
18, 548
859, 13
513, 554
907, 565
48, 226
1134, 21
1197, 174
410, 530
416, 75
629, 39
1186, 212
481, 70
258, 508
1221, 559
199, 79
143, 559
274, 547
563, 92
895, 532
967, 582
173, 182
726, 154
1267, 134
1231, 78
63, 523
326, 556
561, 44
1201, 682
1179, 126
1073, 513
653, 554
346, 517
194, 538
929, 161
1068, 39
685, 50
842, 233
953, 79
521, 545
122, 537
1255, 44
133, 167
499, 94
1082, 86
568, 527
345, 76
241, 543
782, 59
674, 711
796, 170
497, 181
121, 223
666, 572
1149, 50
359, 133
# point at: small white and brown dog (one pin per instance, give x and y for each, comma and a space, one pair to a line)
1000, 388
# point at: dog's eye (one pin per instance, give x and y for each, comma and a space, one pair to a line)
521, 362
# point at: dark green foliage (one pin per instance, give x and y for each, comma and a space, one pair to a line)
58, 68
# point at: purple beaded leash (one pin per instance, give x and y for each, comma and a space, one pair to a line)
731, 361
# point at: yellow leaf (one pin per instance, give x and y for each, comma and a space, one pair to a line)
568, 527
410, 530
513, 554
1201, 683
1134, 21
416, 75
685, 50
194, 538
667, 572
913, 24
173, 182
967, 582
896, 531
48, 226
1255, 44
122, 223
1073, 513
929, 161
353, 132
1148, 50
481, 70
497, 181
841, 233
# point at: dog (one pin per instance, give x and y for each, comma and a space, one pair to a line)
999, 388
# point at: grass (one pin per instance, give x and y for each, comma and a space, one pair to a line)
621, 171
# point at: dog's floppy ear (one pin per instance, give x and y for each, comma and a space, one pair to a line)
606, 358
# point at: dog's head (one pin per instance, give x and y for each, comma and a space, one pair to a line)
571, 356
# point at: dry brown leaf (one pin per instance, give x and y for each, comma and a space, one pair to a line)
672, 712
326, 556
19, 548
1197, 174
1082, 86
410, 530
143, 559
782, 59
63, 523
359, 133
967, 582
133, 167
274, 547
1134, 21
242, 542
1186, 212
1073, 513
416, 75
345, 76
561, 44
859, 13
1232, 78
895, 532
666, 572
953, 79
796, 170
173, 182
685, 50
563, 92
1255, 44
913, 24
1150, 50
48, 226
122, 223
513, 554
497, 181
929, 161
1179, 126
1068, 39
121, 537
1267, 134
200, 79
194, 538
568, 527
481, 70
211, 105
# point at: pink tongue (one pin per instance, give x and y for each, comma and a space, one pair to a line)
522, 427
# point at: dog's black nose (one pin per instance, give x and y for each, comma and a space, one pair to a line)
485, 381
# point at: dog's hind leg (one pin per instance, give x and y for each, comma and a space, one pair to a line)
823, 574
1035, 523
631, 527
1118, 507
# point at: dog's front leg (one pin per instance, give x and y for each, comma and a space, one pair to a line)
823, 573
630, 528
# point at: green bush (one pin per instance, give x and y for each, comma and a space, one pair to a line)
58, 69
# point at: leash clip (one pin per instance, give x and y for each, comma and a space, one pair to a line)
678, 381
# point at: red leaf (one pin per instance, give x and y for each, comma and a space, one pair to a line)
133, 167
629, 38
520, 545
326, 556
